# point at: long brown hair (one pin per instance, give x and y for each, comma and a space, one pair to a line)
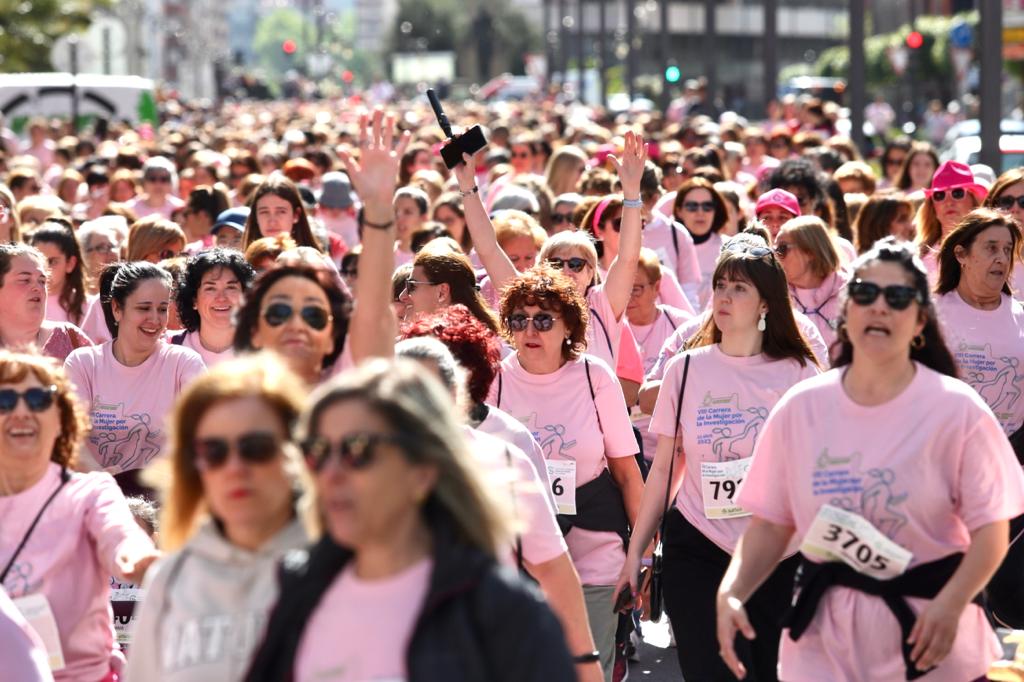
782, 338
903, 179
455, 270
60, 233
279, 185
973, 224
1003, 183
875, 219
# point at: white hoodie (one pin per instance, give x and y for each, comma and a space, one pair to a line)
205, 608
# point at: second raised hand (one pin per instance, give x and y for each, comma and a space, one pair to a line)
375, 174
631, 167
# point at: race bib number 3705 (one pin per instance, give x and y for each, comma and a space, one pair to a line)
840, 535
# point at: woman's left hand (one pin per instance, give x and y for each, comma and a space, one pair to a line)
631, 167
934, 632
133, 565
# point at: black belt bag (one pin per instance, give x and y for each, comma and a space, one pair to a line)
599, 507
1017, 443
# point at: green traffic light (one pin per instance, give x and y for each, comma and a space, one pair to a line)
672, 74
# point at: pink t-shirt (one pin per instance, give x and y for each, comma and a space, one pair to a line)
69, 559
931, 265
192, 340
674, 344
128, 405
501, 424
559, 411
707, 256
20, 648
989, 349
95, 325
650, 338
55, 313
725, 405
604, 332
926, 469
403, 257
671, 294
541, 537
681, 261
142, 209
631, 364
821, 305
377, 618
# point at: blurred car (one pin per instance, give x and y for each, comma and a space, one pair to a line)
972, 128
968, 150
507, 87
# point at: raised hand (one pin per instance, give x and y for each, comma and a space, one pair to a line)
375, 174
631, 167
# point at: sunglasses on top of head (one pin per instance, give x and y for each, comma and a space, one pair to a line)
255, 447
745, 249
542, 322
957, 194
897, 296
37, 399
354, 451
314, 316
575, 264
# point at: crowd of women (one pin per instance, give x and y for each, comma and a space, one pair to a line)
284, 402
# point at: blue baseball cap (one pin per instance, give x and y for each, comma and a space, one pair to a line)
233, 217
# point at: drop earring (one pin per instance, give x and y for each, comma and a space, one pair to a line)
761, 324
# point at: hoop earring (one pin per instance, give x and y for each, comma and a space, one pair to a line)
761, 324
918, 342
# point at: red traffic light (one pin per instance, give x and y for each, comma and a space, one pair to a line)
347, 76
914, 40
288, 46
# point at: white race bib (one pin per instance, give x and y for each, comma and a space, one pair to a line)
36, 610
840, 535
562, 479
719, 482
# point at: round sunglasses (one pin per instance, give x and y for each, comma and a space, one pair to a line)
314, 316
542, 322
897, 296
354, 451
957, 194
255, 447
37, 399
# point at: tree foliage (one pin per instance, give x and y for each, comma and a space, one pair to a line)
273, 29
29, 28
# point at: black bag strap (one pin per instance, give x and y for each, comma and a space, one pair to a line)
178, 339
593, 396
672, 461
669, 318
65, 476
604, 329
675, 241
498, 403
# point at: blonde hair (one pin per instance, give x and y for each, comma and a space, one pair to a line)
150, 235
577, 242
562, 168
261, 375
417, 408
810, 234
511, 224
49, 204
650, 265
269, 247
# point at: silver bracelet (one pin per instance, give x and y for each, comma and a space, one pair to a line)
632, 203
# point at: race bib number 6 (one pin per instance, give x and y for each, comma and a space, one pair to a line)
562, 479
719, 482
840, 535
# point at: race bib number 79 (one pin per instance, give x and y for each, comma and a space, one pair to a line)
840, 535
719, 482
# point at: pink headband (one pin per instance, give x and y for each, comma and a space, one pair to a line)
599, 212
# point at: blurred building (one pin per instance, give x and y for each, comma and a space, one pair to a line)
374, 23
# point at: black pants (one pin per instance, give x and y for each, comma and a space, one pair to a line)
693, 568
1004, 595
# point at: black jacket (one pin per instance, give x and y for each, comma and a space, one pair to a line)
480, 621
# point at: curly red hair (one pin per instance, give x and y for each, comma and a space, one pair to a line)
549, 289
474, 346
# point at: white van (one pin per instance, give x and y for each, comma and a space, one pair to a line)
117, 98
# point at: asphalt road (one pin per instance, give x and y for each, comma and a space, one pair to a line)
657, 659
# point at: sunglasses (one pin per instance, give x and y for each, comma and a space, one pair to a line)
1006, 202
36, 399
542, 322
521, 155
157, 178
354, 451
559, 218
168, 254
894, 162
277, 314
957, 194
254, 448
102, 249
781, 249
897, 296
411, 284
575, 264
694, 206
350, 273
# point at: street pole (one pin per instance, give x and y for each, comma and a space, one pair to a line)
73, 58
631, 55
858, 73
563, 43
711, 55
771, 52
602, 49
990, 41
549, 50
666, 96
580, 66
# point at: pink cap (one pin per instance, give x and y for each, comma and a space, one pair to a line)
777, 197
953, 174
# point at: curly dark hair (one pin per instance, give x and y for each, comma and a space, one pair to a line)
197, 266
549, 289
249, 313
470, 341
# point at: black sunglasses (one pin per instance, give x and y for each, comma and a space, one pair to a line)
157, 178
575, 264
703, 206
36, 399
957, 194
277, 314
542, 322
355, 450
352, 272
254, 448
781, 249
559, 218
897, 296
1007, 201
411, 284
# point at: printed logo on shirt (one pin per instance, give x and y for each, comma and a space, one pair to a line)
729, 428
997, 380
122, 441
211, 639
19, 582
871, 494
550, 437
